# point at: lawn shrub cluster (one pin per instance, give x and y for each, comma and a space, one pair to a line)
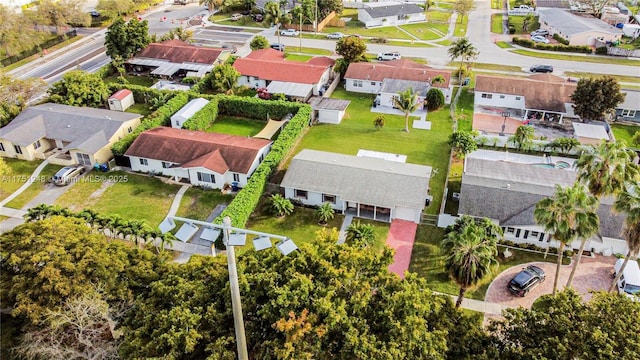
141, 94
253, 108
160, 117
550, 47
247, 199
552, 250
560, 39
204, 118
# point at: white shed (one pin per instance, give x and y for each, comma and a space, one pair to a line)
329, 111
121, 100
179, 118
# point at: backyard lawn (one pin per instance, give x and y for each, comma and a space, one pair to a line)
133, 80
21, 170
427, 147
625, 132
197, 203
140, 108
236, 126
34, 189
464, 110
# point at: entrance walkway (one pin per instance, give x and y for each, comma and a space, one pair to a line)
343, 229
402, 234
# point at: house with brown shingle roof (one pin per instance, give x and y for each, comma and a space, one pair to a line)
268, 68
387, 78
176, 58
204, 159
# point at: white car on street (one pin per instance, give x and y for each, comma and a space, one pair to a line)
540, 39
386, 56
289, 32
335, 35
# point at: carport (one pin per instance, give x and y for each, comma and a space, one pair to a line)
293, 91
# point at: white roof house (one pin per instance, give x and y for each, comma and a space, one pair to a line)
179, 118
577, 29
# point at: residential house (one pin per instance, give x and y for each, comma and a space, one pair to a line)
388, 78
66, 135
186, 112
176, 59
365, 187
629, 109
577, 29
506, 187
387, 13
204, 159
268, 68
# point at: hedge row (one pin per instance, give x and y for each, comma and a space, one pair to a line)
550, 47
560, 39
141, 94
204, 118
247, 199
552, 250
255, 108
160, 117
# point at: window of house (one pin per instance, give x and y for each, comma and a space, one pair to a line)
501, 96
166, 165
329, 198
511, 230
301, 194
628, 113
36, 144
487, 96
534, 233
357, 83
83, 159
144, 162
373, 83
17, 148
130, 129
2, 147
204, 177
517, 97
236, 177
261, 158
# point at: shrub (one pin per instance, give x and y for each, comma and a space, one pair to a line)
378, 122
601, 50
204, 118
435, 99
379, 40
552, 47
560, 39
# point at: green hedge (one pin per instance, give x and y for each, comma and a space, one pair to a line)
527, 246
204, 118
247, 199
141, 94
560, 39
160, 117
255, 108
550, 47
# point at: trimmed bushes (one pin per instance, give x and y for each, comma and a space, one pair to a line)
550, 47
141, 94
552, 250
254, 108
560, 39
204, 118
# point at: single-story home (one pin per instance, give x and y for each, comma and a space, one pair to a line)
591, 134
176, 58
365, 187
327, 110
268, 68
506, 188
66, 135
204, 159
539, 96
388, 78
387, 13
121, 100
629, 109
578, 29
186, 112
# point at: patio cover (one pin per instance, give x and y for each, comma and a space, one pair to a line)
168, 68
290, 89
270, 129
591, 131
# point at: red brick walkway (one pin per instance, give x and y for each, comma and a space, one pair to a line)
402, 234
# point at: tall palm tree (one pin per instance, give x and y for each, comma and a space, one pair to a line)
463, 49
275, 15
407, 102
471, 251
523, 138
438, 80
569, 214
628, 202
607, 168
90, 216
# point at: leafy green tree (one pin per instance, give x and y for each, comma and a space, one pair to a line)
60, 14
16, 32
463, 143
407, 102
434, 99
378, 122
115, 8
275, 15
595, 97
125, 39
463, 8
463, 49
564, 144
280, 206
471, 251
523, 138
325, 212
79, 88
528, 20
224, 78
564, 327
606, 168
569, 215
352, 49
628, 203
360, 234
259, 42
15, 95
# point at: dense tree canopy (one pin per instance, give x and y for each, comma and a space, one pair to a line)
15, 94
595, 97
259, 42
79, 88
59, 14
463, 143
125, 39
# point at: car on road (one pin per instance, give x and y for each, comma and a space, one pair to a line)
541, 69
279, 47
540, 32
526, 280
66, 175
289, 32
540, 39
335, 35
236, 17
386, 56
257, 17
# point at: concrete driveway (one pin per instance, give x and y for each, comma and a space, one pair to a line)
592, 274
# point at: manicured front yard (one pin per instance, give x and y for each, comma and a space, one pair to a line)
427, 31
625, 132
39, 183
139, 108
236, 126
307, 50
21, 170
496, 23
427, 147
197, 203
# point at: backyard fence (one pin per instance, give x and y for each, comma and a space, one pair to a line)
616, 51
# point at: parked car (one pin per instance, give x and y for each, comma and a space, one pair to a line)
541, 69
526, 280
257, 17
236, 17
66, 175
279, 47
629, 282
289, 32
335, 35
389, 56
540, 39
540, 32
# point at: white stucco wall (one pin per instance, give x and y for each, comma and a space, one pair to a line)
330, 116
314, 199
368, 87
497, 99
251, 81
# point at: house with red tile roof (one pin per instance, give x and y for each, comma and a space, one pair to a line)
388, 78
268, 68
176, 58
204, 159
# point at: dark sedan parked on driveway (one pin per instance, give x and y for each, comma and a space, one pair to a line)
526, 280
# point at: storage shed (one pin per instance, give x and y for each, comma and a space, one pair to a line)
121, 100
179, 118
328, 111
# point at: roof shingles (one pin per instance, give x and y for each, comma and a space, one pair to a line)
398, 69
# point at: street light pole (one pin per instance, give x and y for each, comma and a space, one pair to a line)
236, 302
300, 31
315, 23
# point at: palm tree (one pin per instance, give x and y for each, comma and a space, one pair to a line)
523, 138
628, 202
607, 168
471, 251
115, 224
407, 102
274, 14
568, 215
280, 206
463, 49
39, 212
360, 234
90, 216
438, 80
325, 212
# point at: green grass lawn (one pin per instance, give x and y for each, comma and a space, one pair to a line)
622, 78
236, 126
80, 196
307, 50
427, 147
504, 45
21, 170
223, 19
496, 23
34, 189
455, 181
464, 110
443, 5
197, 203
517, 22
140, 108
357, 27
486, 66
624, 132
426, 31
428, 261
132, 79
461, 27
298, 57
437, 15
569, 57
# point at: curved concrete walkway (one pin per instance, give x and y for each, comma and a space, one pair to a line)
16, 217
